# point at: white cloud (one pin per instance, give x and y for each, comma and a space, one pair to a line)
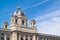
50, 23
49, 15
36, 4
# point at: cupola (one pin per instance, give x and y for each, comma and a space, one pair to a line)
5, 24
32, 23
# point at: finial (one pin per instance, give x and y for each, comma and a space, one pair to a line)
18, 8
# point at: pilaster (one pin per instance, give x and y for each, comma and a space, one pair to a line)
5, 37
14, 35
34, 37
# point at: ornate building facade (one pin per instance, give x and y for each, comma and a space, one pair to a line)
18, 29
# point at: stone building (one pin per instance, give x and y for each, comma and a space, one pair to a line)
18, 29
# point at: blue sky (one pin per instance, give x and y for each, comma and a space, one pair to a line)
45, 12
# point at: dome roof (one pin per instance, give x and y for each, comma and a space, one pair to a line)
33, 21
18, 12
22, 14
5, 23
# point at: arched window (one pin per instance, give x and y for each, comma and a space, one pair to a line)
16, 21
31, 36
22, 36
6, 26
22, 22
26, 37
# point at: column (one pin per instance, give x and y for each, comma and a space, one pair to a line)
28, 37
37, 37
19, 37
34, 37
24, 37
5, 37
14, 35
11, 37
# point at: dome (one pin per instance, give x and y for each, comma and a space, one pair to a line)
18, 13
22, 14
5, 22
15, 14
33, 21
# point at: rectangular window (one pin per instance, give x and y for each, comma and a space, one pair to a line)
2, 33
2, 38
